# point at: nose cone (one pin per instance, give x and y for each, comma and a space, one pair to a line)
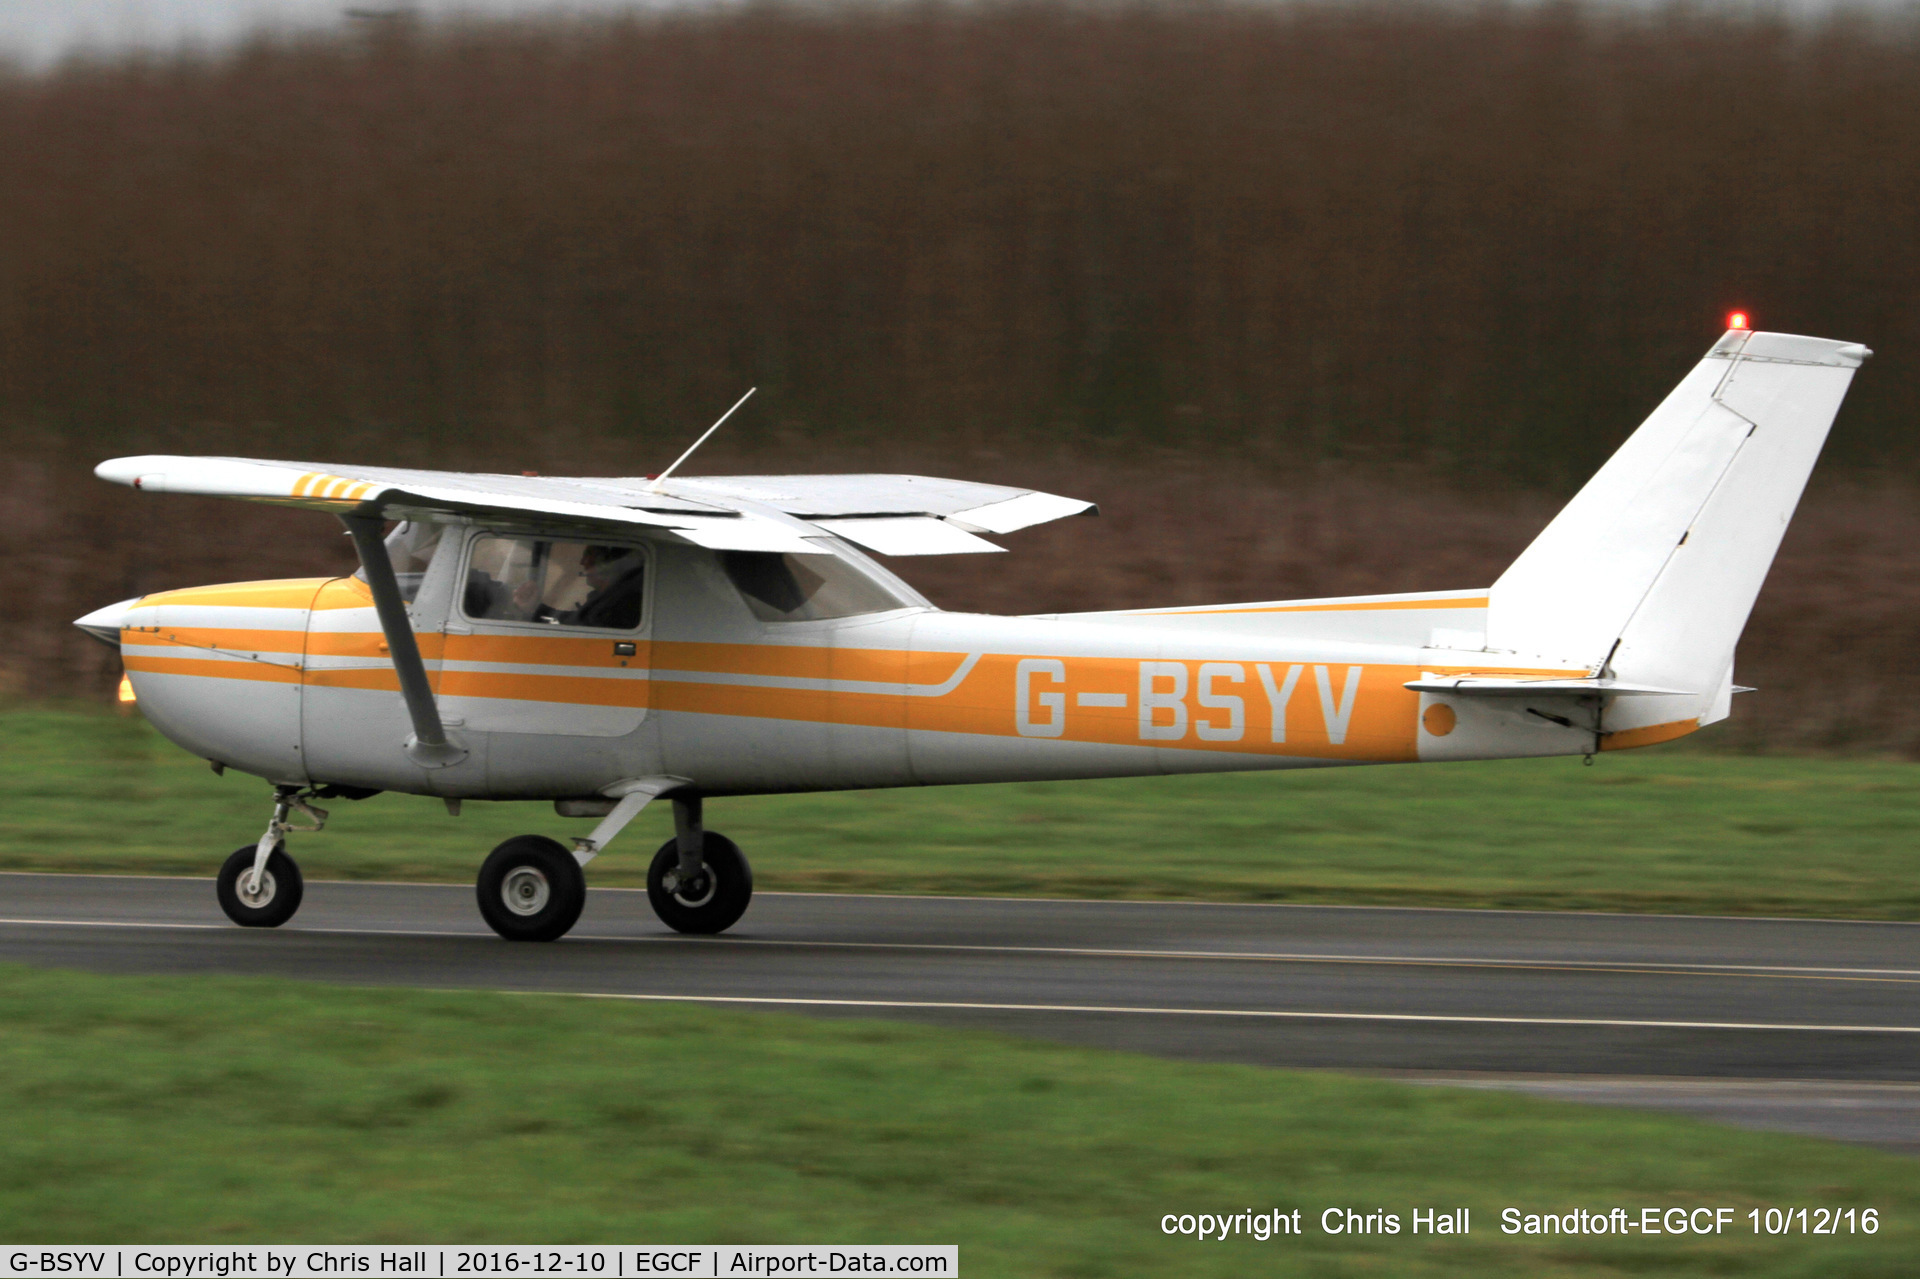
104, 623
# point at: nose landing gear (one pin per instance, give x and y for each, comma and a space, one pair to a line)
262, 898
260, 886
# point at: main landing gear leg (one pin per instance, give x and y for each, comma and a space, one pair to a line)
689, 837
699, 881
259, 886
532, 889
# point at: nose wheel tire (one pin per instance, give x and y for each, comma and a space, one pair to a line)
531, 889
713, 900
270, 903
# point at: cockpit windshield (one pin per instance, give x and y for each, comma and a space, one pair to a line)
410, 547
804, 588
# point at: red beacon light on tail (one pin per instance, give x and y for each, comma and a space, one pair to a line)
1738, 320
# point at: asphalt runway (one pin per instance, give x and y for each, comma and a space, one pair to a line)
1800, 1025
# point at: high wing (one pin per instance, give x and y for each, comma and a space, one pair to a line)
891, 514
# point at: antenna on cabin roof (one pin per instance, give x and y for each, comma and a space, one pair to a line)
661, 478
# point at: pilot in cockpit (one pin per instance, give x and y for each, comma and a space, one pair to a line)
525, 579
616, 584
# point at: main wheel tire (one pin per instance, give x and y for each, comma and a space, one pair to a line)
278, 896
531, 889
715, 900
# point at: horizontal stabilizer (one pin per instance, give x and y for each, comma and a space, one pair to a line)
1480, 686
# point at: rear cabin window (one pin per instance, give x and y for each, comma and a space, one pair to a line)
555, 583
805, 588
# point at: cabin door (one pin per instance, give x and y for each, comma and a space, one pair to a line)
548, 635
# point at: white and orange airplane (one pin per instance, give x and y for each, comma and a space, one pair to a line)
600, 643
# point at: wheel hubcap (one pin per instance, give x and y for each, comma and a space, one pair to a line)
695, 891
262, 893
525, 890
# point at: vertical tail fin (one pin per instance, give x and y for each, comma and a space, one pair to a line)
1650, 572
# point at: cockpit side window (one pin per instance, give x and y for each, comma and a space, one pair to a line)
804, 588
410, 546
555, 583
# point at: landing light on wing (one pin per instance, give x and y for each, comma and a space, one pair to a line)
126, 689
1738, 320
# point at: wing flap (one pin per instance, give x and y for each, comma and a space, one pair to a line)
752, 534
986, 508
909, 535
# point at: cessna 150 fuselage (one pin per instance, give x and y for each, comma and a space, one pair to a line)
599, 643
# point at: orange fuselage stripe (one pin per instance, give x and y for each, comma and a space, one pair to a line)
1653, 734
1334, 710
1477, 601
214, 668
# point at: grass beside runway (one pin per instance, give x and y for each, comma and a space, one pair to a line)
1663, 830
188, 1110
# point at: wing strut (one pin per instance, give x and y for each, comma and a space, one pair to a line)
429, 746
